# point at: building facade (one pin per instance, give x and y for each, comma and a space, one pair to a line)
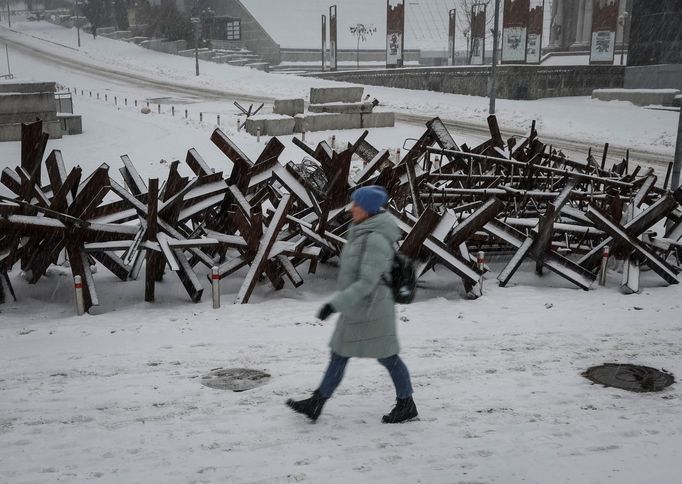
571, 24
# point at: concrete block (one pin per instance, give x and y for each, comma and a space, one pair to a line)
29, 102
323, 95
638, 97
378, 120
328, 122
336, 121
259, 66
341, 108
12, 131
71, 123
136, 40
677, 102
299, 123
27, 117
273, 125
153, 44
289, 107
27, 87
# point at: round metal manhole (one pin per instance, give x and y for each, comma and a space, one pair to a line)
634, 378
235, 379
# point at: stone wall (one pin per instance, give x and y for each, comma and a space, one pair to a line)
513, 82
343, 55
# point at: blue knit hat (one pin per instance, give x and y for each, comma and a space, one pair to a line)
370, 198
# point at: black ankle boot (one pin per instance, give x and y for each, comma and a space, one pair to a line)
404, 410
310, 407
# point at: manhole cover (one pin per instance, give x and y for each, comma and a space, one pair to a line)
634, 378
235, 379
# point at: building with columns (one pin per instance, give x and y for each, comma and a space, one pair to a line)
571, 24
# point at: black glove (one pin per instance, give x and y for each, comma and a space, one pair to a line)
326, 311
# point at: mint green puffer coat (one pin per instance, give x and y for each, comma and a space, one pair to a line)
366, 326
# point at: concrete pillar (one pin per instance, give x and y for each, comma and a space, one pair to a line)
557, 25
579, 22
587, 23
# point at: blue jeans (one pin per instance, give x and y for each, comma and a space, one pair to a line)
395, 366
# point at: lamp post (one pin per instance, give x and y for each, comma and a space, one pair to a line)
622, 21
493, 82
195, 22
76, 7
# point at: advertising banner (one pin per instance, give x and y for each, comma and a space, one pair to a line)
333, 60
324, 43
451, 36
477, 54
395, 32
514, 31
604, 26
534, 36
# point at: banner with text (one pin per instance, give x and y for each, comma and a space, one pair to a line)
452, 26
333, 60
604, 26
395, 32
534, 37
324, 43
477, 54
514, 31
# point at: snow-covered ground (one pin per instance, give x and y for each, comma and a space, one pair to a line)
116, 397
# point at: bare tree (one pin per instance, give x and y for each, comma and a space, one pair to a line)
361, 32
464, 17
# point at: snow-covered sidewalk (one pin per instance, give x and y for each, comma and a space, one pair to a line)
118, 397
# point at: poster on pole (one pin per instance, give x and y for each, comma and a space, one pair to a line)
477, 54
514, 31
395, 32
534, 38
333, 60
324, 43
452, 25
604, 26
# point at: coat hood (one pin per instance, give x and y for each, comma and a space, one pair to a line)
382, 223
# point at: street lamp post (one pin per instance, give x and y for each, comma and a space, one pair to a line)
493, 82
77, 5
195, 23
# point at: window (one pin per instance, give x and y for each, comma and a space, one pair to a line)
233, 30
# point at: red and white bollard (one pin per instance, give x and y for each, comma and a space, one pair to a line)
258, 135
215, 284
480, 260
80, 301
604, 262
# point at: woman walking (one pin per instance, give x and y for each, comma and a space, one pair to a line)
366, 326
